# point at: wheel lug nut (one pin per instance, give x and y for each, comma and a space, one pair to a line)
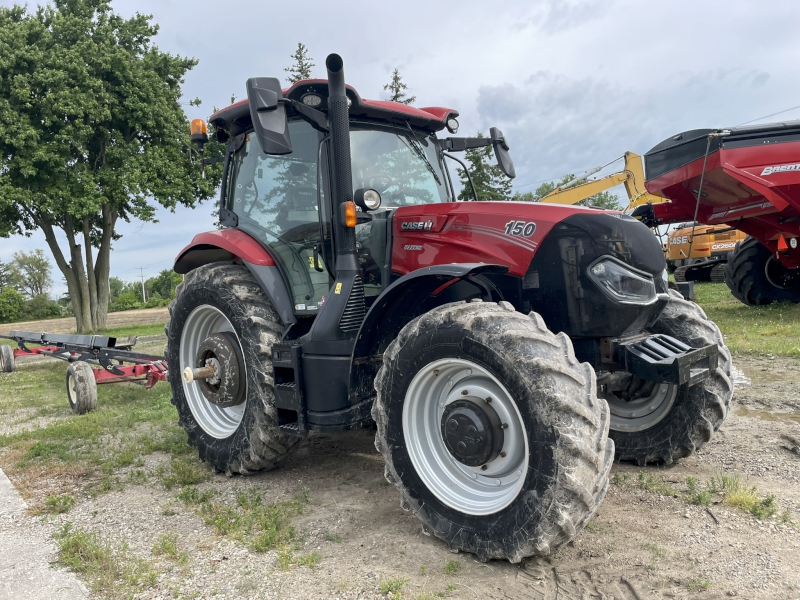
502, 455
436, 372
464, 392
488, 399
504, 426
484, 467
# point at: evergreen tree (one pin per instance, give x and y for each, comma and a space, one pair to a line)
301, 68
489, 180
397, 89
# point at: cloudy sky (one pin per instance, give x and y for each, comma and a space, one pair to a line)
573, 84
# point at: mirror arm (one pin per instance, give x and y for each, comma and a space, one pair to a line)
315, 117
466, 170
452, 144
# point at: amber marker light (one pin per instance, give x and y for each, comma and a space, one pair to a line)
350, 214
199, 131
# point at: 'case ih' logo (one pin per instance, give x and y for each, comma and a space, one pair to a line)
780, 169
417, 225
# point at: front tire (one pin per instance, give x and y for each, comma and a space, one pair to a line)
6, 359
674, 421
534, 491
81, 388
237, 432
756, 278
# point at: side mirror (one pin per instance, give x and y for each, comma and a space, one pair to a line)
501, 152
268, 114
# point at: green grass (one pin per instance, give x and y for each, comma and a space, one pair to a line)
392, 588
260, 525
129, 423
167, 546
138, 330
109, 569
58, 504
768, 329
451, 567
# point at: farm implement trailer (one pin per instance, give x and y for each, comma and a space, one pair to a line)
82, 352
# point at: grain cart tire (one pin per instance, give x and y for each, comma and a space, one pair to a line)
221, 305
682, 418
516, 476
6, 359
81, 388
755, 277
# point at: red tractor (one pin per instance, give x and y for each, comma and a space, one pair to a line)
745, 178
495, 345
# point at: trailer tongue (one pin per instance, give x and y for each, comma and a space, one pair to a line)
83, 351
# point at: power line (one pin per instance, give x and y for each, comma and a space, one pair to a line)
568, 171
768, 116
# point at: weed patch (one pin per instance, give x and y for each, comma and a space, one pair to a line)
109, 570
451, 567
167, 546
656, 485
58, 504
392, 588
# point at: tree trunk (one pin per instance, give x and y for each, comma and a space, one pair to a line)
103, 265
63, 266
90, 276
76, 261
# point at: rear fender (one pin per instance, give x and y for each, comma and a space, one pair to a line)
399, 304
234, 245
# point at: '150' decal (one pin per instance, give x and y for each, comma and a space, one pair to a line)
520, 228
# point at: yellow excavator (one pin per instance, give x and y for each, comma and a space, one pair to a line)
631, 176
711, 245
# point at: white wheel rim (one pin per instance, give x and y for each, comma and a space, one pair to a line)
470, 490
216, 421
642, 413
73, 394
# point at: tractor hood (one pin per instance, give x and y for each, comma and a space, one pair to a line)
511, 233
550, 248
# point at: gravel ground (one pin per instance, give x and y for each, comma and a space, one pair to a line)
642, 544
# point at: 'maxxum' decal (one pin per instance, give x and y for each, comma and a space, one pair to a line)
780, 169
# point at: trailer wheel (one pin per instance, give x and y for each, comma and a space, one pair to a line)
221, 314
663, 422
756, 278
6, 359
492, 430
81, 388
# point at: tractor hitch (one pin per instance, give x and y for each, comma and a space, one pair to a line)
664, 359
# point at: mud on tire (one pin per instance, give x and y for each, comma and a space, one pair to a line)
698, 411
256, 444
565, 423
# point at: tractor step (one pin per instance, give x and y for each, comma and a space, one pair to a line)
664, 359
289, 399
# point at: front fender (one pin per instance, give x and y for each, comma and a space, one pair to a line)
233, 244
395, 307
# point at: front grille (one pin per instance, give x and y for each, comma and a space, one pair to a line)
354, 311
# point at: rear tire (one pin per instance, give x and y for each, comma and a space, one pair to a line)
6, 359
695, 412
81, 388
244, 438
561, 474
747, 274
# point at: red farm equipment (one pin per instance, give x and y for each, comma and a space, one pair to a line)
503, 350
745, 178
94, 360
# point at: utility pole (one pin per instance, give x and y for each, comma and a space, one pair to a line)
141, 273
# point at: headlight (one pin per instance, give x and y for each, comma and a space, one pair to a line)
621, 283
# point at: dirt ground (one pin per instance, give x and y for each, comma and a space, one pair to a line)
642, 544
144, 316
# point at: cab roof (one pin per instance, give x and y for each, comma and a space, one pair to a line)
235, 118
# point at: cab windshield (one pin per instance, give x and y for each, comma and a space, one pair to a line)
403, 166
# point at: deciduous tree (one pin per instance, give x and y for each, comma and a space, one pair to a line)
91, 131
605, 199
33, 273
